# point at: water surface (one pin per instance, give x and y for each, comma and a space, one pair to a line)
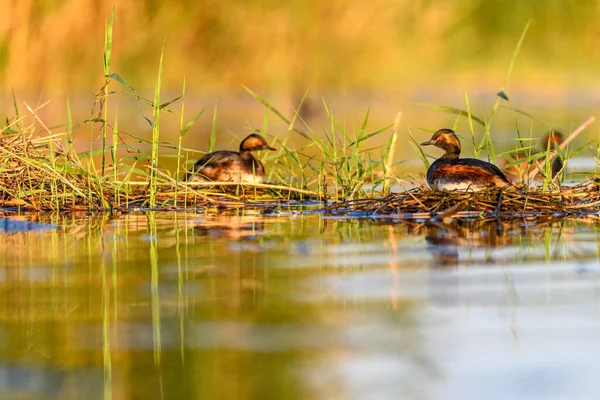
283, 306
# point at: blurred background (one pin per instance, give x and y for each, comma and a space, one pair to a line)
389, 55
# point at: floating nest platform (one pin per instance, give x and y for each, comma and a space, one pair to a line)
582, 199
40, 174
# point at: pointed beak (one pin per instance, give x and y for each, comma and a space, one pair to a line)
270, 148
427, 143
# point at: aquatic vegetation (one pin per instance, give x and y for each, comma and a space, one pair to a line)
43, 171
423, 203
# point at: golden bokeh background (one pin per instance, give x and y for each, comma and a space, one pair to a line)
389, 55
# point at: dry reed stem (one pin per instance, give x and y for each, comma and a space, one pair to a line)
422, 202
212, 184
390, 158
27, 178
174, 182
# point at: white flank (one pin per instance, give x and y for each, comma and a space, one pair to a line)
462, 186
250, 178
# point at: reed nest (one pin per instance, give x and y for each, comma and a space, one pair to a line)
422, 202
34, 178
42, 174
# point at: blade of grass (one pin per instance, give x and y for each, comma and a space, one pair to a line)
487, 137
419, 150
452, 110
156, 129
274, 110
213, 132
107, 62
115, 146
16, 109
179, 144
392, 145
470, 119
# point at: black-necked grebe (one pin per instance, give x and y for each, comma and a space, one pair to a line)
553, 139
449, 172
231, 166
517, 172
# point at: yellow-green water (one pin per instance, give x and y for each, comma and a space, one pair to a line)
287, 306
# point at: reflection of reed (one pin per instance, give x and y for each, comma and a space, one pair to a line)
221, 299
98, 293
201, 246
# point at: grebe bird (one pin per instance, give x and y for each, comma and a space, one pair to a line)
551, 140
231, 166
449, 172
519, 171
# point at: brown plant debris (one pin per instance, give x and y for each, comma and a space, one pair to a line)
422, 202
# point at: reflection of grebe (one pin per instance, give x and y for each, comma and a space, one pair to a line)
450, 172
444, 240
515, 172
248, 226
225, 166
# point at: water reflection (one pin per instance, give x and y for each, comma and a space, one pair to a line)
445, 240
14, 225
248, 305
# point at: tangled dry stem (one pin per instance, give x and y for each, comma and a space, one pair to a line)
39, 174
421, 202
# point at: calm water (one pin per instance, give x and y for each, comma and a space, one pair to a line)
285, 306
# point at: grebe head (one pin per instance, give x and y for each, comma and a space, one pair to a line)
554, 137
445, 139
254, 142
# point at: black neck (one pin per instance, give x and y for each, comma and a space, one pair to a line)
246, 155
451, 155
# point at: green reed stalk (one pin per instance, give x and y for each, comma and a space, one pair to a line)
419, 149
487, 139
17, 114
322, 183
69, 130
265, 124
54, 180
115, 146
213, 132
334, 153
391, 146
107, 61
283, 144
275, 111
156, 129
470, 118
179, 143
182, 133
387, 166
